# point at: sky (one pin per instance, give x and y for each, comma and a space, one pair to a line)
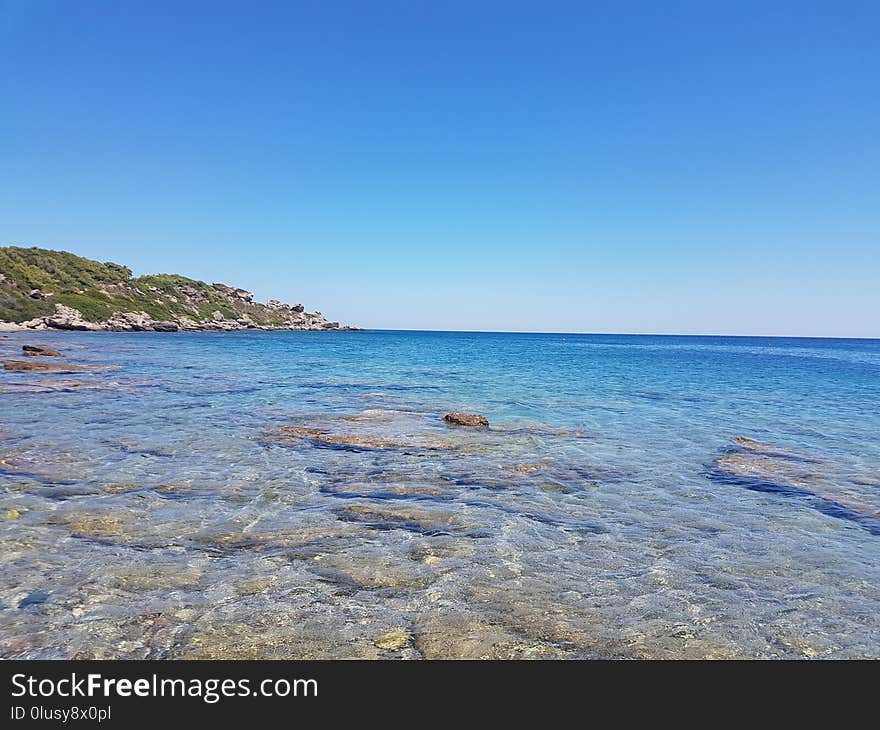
654, 167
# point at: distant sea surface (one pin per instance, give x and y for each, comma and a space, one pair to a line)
298, 495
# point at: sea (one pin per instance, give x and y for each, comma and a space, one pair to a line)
281, 495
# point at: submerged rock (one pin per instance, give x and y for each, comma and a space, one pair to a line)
423, 520
781, 470
301, 432
526, 468
371, 430
466, 419
101, 525
352, 441
35, 351
756, 460
256, 585
394, 640
369, 568
456, 634
26, 366
65, 386
279, 633
156, 577
36, 598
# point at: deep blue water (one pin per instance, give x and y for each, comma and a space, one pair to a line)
158, 509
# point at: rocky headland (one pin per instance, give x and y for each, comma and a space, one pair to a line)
56, 290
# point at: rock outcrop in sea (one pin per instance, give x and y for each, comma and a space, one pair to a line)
30, 366
825, 486
473, 420
56, 290
37, 351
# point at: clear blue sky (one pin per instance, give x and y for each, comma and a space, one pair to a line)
692, 167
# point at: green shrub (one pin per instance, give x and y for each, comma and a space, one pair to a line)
77, 282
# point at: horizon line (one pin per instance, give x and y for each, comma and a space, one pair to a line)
619, 334
623, 334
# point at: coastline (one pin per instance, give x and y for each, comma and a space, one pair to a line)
43, 289
69, 319
8, 328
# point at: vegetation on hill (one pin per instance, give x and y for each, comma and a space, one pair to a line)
34, 280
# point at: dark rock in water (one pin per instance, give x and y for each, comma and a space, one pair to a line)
466, 419
30, 366
33, 599
780, 470
35, 351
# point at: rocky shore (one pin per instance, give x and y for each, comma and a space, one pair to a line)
56, 290
68, 318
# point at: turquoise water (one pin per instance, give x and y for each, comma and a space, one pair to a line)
296, 494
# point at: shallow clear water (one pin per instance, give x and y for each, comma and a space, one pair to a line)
162, 510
